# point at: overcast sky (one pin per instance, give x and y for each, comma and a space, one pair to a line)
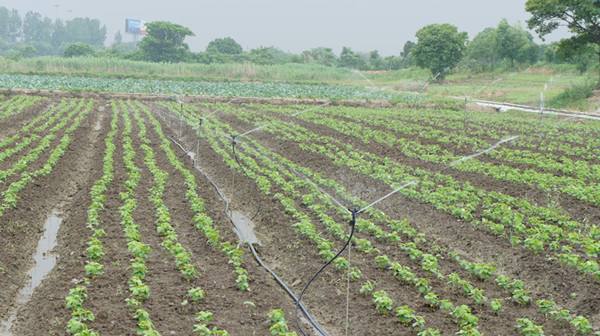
293, 25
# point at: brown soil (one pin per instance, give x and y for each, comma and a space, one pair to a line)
575, 208
288, 253
544, 277
10, 125
65, 189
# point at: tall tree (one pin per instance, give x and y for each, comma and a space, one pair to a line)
375, 60
483, 50
36, 28
15, 26
59, 35
85, 30
225, 45
118, 39
37, 32
406, 54
514, 43
321, 55
582, 17
4, 21
350, 59
439, 48
165, 42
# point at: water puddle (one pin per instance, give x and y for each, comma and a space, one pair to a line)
244, 227
44, 262
192, 156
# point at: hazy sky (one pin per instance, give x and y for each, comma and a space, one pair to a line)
293, 25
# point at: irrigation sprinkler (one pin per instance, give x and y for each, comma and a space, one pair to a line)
465, 115
541, 105
180, 126
310, 318
354, 212
485, 151
260, 127
197, 156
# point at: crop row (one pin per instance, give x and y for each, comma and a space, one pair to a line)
514, 287
536, 228
139, 291
45, 142
272, 182
43, 116
77, 296
201, 220
429, 261
17, 105
574, 187
170, 87
403, 273
466, 142
550, 130
10, 195
29, 135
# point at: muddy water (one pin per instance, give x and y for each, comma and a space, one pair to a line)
244, 227
44, 262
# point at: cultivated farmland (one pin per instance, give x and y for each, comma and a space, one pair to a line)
493, 229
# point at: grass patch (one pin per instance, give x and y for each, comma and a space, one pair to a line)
576, 96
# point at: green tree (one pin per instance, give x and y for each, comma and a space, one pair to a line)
165, 42
393, 62
323, 56
78, 50
225, 45
269, 55
59, 34
36, 28
350, 59
514, 44
482, 52
85, 30
4, 20
15, 26
37, 32
582, 17
583, 56
10, 25
439, 48
375, 61
406, 54
118, 39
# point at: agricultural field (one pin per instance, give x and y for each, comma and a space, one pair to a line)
193, 88
561, 86
162, 208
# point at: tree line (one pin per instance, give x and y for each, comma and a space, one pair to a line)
35, 35
438, 47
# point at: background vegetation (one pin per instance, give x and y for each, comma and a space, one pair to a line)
502, 62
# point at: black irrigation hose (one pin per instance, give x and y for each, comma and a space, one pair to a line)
316, 275
281, 283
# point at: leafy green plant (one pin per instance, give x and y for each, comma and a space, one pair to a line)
383, 302
526, 327
279, 325
196, 294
